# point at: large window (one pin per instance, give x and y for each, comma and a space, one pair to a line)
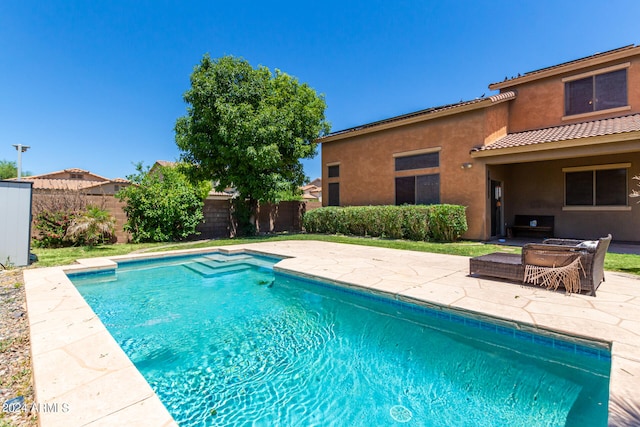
418, 161
596, 92
418, 190
601, 186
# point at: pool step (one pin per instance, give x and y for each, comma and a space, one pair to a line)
212, 270
225, 258
222, 260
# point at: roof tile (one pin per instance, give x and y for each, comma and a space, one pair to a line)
602, 127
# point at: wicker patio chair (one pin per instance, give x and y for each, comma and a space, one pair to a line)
561, 252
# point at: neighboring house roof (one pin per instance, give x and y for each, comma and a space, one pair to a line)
417, 116
312, 191
604, 127
86, 175
317, 182
165, 163
230, 194
64, 180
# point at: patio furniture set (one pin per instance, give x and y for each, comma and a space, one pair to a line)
576, 265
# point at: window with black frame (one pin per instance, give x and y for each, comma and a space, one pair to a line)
597, 92
418, 190
598, 187
418, 161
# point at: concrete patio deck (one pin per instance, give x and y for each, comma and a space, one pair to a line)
84, 378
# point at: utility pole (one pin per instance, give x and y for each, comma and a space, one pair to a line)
21, 149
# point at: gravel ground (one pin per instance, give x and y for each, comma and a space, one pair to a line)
16, 381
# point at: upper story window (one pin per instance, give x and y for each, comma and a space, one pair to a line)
333, 171
418, 161
586, 94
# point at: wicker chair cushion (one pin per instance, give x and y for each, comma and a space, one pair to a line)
589, 245
549, 258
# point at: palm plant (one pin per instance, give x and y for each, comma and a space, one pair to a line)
92, 227
636, 193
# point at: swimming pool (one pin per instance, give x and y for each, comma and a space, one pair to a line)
241, 345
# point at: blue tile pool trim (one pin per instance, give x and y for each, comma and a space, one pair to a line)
542, 337
98, 272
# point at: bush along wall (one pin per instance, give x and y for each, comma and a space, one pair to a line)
439, 223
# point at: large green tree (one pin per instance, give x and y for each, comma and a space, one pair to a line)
249, 128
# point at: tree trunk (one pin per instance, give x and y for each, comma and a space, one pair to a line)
254, 218
273, 213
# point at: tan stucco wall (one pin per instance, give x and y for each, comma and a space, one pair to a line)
367, 167
538, 189
540, 104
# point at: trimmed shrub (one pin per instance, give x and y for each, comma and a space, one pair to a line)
447, 222
415, 222
434, 222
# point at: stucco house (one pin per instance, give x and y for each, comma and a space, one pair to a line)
560, 143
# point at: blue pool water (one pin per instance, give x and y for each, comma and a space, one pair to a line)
224, 341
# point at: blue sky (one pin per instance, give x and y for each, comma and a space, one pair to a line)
98, 85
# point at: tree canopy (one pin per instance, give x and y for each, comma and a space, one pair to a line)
249, 128
8, 169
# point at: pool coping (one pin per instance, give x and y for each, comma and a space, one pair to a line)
75, 360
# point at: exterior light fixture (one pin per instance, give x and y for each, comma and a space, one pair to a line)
21, 149
466, 165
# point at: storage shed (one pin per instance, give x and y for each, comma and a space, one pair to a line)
15, 222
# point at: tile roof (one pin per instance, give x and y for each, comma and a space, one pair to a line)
613, 126
65, 184
165, 163
61, 180
503, 96
601, 56
52, 175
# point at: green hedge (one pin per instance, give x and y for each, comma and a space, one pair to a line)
440, 223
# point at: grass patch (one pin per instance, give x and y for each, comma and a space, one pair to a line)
625, 263
63, 256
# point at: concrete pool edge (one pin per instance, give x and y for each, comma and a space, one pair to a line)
64, 333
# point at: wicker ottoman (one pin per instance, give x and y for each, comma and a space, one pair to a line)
498, 264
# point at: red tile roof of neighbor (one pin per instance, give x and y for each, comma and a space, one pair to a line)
49, 181
613, 126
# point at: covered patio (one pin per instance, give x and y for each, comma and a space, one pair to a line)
578, 174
